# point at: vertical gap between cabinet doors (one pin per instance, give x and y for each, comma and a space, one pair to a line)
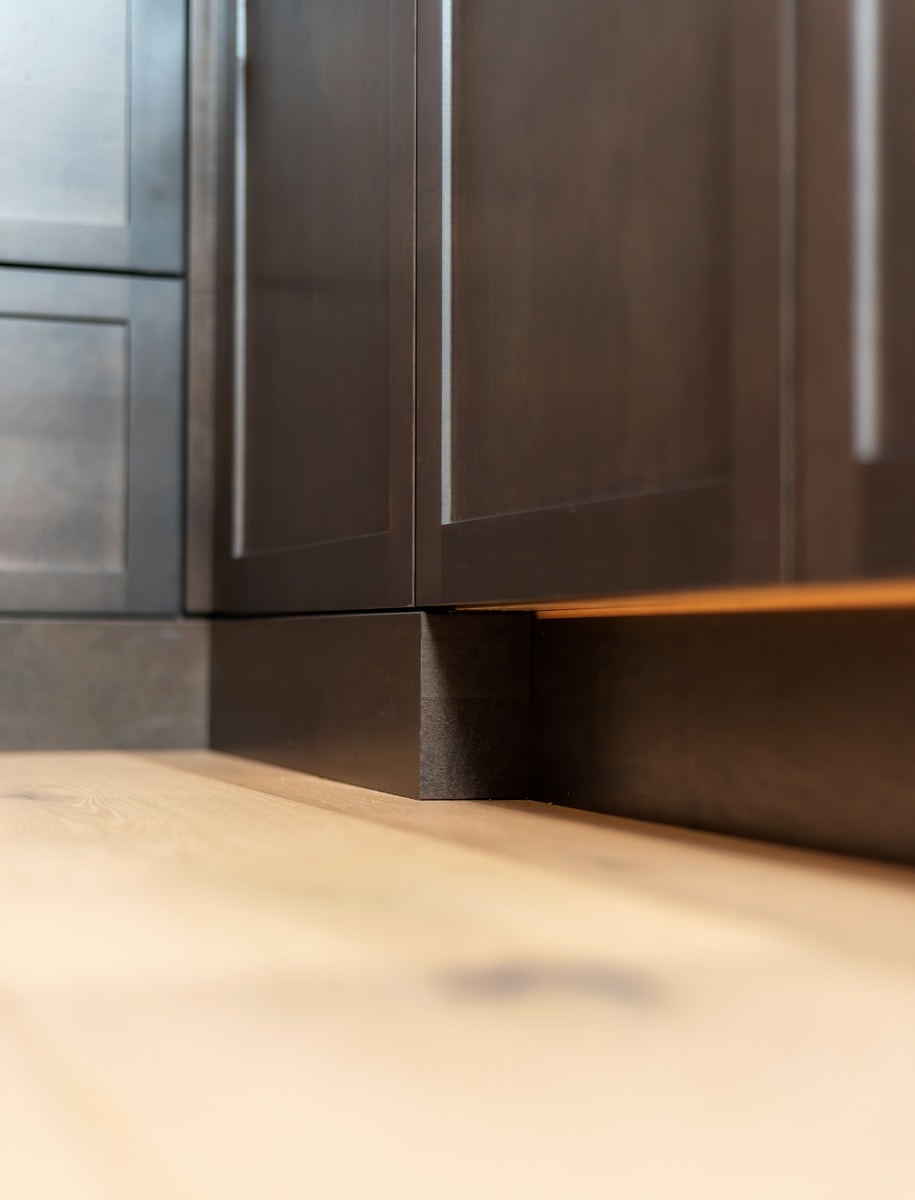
240, 281
865, 29
447, 238
788, 306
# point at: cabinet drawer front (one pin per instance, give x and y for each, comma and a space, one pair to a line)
90, 443
92, 134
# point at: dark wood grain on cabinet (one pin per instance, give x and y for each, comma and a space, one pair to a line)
103, 685
853, 514
591, 208
889, 490
616, 297
318, 260
827, 512
554, 550
325, 442
791, 727
898, 190
210, 162
433, 707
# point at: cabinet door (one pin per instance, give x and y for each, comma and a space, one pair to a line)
315, 433
857, 289
92, 133
598, 308
90, 443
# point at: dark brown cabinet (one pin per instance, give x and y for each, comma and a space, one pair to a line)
663, 260
598, 244
315, 435
856, 415
664, 264
599, 248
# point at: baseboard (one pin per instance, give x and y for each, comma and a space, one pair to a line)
428, 706
113, 684
789, 727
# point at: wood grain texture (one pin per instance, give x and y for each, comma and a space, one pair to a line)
586, 227
338, 696
428, 705
318, 267
210, 63
315, 475
853, 514
225, 978
898, 242
828, 514
794, 727
613, 416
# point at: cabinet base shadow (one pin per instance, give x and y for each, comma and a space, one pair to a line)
787, 727
432, 706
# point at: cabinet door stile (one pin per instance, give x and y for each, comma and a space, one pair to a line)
315, 454
857, 288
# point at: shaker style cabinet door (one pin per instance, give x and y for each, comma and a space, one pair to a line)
599, 361
92, 134
856, 473
90, 443
315, 423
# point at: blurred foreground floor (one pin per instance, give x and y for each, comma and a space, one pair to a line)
221, 979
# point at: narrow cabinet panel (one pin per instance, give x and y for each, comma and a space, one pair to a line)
90, 443
857, 289
599, 296
316, 422
92, 134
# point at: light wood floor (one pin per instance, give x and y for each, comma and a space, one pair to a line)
220, 979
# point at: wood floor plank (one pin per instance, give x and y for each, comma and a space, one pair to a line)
863, 907
259, 983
